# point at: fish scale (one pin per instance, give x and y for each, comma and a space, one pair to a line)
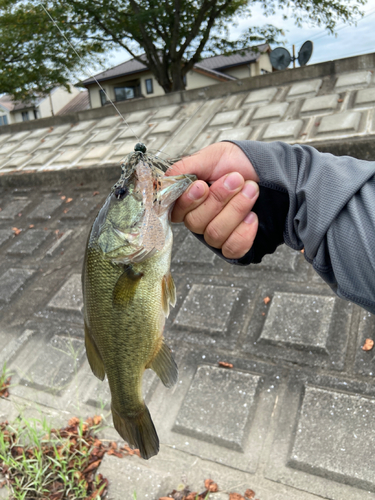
127, 290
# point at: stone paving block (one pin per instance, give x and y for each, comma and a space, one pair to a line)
289, 315
60, 130
39, 133
138, 116
365, 360
224, 416
166, 127
16, 162
166, 112
226, 118
76, 139
191, 250
14, 207
129, 133
333, 437
346, 122
69, 297
12, 281
82, 208
235, 134
103, 136
262, 96
350, 80
304, 89
40, 160
67, 158
283, 130
46, 208
84, 126
19, 136
100, 395
321, 103
95, 155
286, 315
57, 245
51, 143
13, 346
207, 308
285, 259
5, 234
275, 110
56, 364
134, 476
27, 243
27, 146
365, 97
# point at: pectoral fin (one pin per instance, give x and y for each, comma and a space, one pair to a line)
168, 293
125, 287
93, 356
165, 366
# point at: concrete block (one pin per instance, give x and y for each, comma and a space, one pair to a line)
19, 136
60, 130
51, 143
67, 158
41, 160
17, 162
8, 353
8, 147
12, 281
207, 308
220, 416
226, 118
14, 207
82, 208
365, 97
69, 297
83, 127
166, 127
27, 243
235, 134
351, 80
39, 133
275, 110
103, 136
109, 122
349, 121
333, 437
59, 244
283, 130
191, 250
306, 88
262, 96
46, 208
321, 103
119, 154
130, 133
138, 116
4, 138
95, 155
300, 321
76, 139
56, 364
5, 234
166, 112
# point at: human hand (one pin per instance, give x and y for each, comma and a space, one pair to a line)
221, 211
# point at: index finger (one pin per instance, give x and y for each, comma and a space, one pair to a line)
202, 164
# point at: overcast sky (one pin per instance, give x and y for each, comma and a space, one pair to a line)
350, 40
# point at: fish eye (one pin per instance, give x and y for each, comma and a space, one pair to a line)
121, 192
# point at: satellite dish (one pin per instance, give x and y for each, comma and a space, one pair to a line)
305, 53
280, 58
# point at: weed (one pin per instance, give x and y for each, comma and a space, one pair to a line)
4, 381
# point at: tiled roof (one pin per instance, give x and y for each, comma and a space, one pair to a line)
213, 73
125, 68
8, 103
79, 103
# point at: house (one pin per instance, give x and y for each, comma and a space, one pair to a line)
41, 107
132, 79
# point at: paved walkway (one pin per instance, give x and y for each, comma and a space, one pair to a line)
292, 420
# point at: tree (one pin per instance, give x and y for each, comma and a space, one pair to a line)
170, 36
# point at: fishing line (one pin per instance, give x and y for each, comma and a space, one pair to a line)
88, 72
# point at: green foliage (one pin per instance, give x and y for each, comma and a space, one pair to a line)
169, 36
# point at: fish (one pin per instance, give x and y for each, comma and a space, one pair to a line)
128, 290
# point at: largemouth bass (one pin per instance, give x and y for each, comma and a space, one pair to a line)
127, 290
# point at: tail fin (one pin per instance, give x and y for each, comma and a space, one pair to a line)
138, 431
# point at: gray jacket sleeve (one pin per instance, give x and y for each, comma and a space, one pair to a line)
331, 212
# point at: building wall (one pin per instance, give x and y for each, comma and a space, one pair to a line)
6, 114
59, 97
240, 72
195, 80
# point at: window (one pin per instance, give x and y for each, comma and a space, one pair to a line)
103, 97
25, 116
4, 120
149, 86
128, 91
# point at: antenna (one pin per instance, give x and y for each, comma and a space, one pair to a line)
280, 58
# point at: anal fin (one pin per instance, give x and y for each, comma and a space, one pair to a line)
93, 356
165, 366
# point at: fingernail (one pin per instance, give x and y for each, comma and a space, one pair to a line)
250, 189
196, 191
250, 218
233, 181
